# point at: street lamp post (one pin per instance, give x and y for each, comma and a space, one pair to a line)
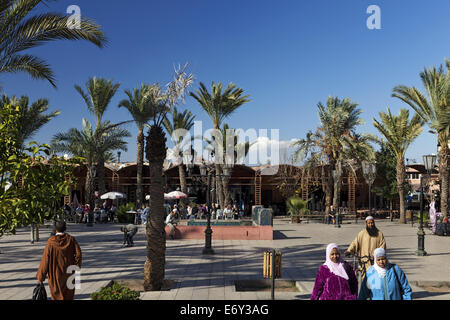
429, 161
207, 171
93, 171
369, 172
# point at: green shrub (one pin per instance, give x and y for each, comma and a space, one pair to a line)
115, 292
122, 214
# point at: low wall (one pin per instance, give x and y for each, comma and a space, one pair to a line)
224, 232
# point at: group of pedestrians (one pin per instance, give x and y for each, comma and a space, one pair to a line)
101, 214
336, 278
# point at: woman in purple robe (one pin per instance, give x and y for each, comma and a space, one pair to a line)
335, 279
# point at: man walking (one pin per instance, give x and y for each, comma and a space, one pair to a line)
367, 241
61, 252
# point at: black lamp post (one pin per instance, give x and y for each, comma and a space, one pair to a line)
206, 171
93, 171
429, 161
369, 172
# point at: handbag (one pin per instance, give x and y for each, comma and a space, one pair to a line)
39, 292
398, 281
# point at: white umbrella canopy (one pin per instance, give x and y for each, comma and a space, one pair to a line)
177, 195
113, 195
166, 197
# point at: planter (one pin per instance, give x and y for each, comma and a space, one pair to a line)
296, 219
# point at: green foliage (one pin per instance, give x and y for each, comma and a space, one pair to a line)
296, 206
23, 28
36, 185
115, 292
122, 214
386, 170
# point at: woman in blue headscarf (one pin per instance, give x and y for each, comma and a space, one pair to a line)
384, 280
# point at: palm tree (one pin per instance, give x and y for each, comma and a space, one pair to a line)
230, 139
399, 132
162, 102
141, 107
220, 105
434, 110
91, 145
19, 31
32, 117
335, 145
99, 94
180, 121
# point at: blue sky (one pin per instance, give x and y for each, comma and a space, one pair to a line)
287, 55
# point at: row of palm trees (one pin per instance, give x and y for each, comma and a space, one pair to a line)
336, 144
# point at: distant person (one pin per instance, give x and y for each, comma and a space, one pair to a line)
171, 223
443, 228
384, 281
61, 252
235, 212
144, 215
367, 241
130, 231
433, 216
189, 211
112, 212
335, 279
331, 216
227, 212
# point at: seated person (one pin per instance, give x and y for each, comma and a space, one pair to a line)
235, 212
96, 215
129, 231
103, 216
443, 228
171, 222
219, 214
227, 212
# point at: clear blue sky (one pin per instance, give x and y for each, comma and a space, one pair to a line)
287, 55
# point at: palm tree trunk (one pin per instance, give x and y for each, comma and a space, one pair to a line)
140, 164
155, 227
88, 187
182, 175
443, 174
101, 176
401, 173
219, 190
337, 194
226, 191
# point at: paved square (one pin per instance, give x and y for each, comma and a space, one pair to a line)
201, 277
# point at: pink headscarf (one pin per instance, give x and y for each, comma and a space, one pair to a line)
335, 268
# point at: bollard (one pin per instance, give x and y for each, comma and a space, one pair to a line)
272, 267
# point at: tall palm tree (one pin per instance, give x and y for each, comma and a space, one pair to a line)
92, 145
434, 110
230, 139
140, 104
220, 105
183, 121
399, 132
156, 150
335, 145
32, 116
97, 98
20, 31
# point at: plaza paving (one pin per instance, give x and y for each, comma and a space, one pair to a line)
199, 277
